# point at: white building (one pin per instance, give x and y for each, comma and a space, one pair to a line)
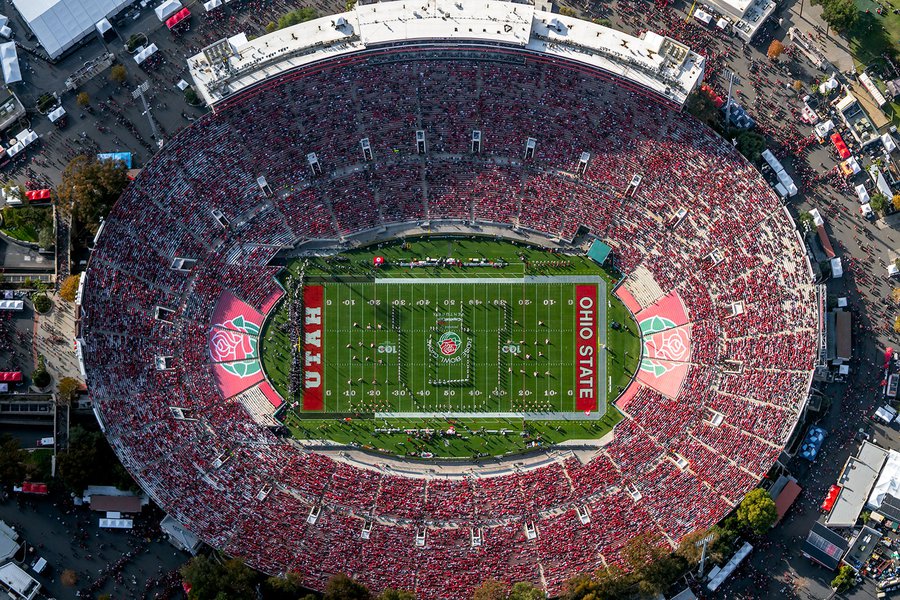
747, 16
18, 584
654, 62
60, 24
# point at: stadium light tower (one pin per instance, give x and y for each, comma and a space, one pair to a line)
139, 93
702, 544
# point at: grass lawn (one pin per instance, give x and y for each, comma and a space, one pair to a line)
397, 356
38, 463
870, 38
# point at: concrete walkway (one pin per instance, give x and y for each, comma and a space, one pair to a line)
54, 339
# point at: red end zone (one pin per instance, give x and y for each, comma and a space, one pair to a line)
312, 347
586, 347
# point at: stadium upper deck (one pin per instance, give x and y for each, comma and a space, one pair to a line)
657, 63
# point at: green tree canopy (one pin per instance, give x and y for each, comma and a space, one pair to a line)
844, 580
751, 145
609, 584
654, 567
301, 15
525, 591
757, 511
840, 14
210, 579
877, 201
491, 589
89, 189
68, 390
342, 587
89, 460
12, 460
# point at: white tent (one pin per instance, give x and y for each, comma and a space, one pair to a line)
145, 53
702, 16
167, 9
837, 269
103, 25
888, 482
60, 24
723, 23
26, 137
862, 194
212, 5
6, 32
56, 114
824, 128
182, 85
880, 182
12, 305
9, 61
3, 20
866, 210
888, 142
15, 148
853, 165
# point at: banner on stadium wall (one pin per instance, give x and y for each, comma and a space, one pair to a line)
312, 347
586, 347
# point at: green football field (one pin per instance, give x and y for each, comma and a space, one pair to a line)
485, 345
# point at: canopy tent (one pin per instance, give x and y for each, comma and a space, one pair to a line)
178, 17
824, 128
850, 167
60, 24
30, 487
12, 305
38, 195
167, 9
15, 148
26, 137
840, 145
703, 16
723, 23
880, 182
888, 142
9, 61
872, 89
888, 481
837, 269
830, 498
862, 194
56, 114
11, 376
145, 53
866, 210
811, 444
103, 25
182, 85
6, 32
212, 5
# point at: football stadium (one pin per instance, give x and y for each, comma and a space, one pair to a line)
443, 293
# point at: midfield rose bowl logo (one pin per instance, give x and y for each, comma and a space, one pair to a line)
449, 343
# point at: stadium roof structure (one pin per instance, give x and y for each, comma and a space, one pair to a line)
60, 24
856, 481
652, 61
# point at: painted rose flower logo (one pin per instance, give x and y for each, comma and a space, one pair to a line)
673, 347
449, 343
226, 346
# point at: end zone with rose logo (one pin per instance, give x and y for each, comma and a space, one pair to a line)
405, 342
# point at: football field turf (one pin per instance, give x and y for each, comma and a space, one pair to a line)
486, 354
468, 346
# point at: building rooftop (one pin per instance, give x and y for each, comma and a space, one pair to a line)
653, 61
856, 481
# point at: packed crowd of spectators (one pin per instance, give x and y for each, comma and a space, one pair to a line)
675, 464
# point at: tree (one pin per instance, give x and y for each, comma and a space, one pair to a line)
90, 460
895, 295
342, 587
191, 97
12, 459
89, 189
751, 145
844, 580
567, 11
688, 549
757, 511
609, 584
525, 591
775, 49
69, 288
118, 74
40, 376
897, 325
703, 108
877, 201
41, 302
491, 589
68, 389
392, 594
895, 201
69, 578
217, 580
301, 15
46, 238
841, 15
83, 99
